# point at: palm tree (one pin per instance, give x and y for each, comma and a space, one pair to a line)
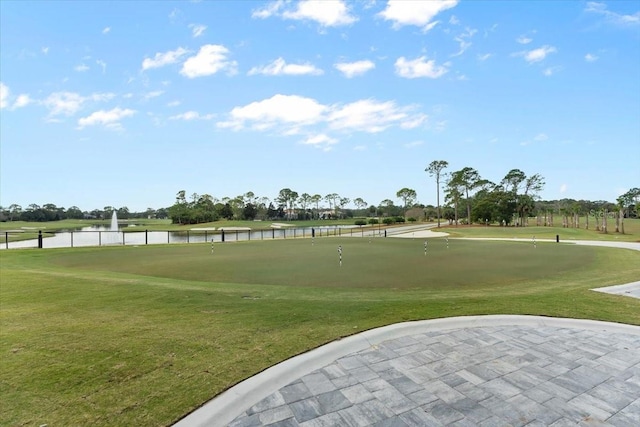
435, 169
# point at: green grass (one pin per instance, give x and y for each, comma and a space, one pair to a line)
143, 335
631, 226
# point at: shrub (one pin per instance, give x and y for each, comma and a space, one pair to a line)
373, 220
399, 219
412, 219
360, 222
388, 221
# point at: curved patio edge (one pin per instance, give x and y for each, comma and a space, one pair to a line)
225, 407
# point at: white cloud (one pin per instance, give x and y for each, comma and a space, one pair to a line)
210, 59
192, 115
4, 95
328, 13
290, 115
68, 103
590, 57
613, 17
270, 10
366, 116
419, 67
22, 101
418, 13
541, 137
484, 57
321, 141
164, 58
549, 71
106, 30
153, 94
197, 29
454, 20
463, 40
279, 67
110, 119
45, 50
279, 109
173, 103
524, 40
357, 68
102, 64
414, 121
81, 68
563, 188
536, 55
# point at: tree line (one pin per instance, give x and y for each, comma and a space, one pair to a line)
515, 199
468, 199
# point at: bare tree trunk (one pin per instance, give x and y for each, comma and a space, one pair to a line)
621, 220
587, 225
617, 222
604, 221
551, 219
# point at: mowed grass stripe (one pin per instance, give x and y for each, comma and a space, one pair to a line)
141, 336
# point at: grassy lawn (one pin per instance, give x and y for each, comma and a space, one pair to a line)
143, 335
631, 228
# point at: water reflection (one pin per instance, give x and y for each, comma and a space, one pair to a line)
104, 236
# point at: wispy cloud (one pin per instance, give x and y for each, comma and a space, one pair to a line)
589, 57
419, 67
321, 141
69, 103
106, 30
164, 58
613, 17
102, 64
197, 29
279, 67
192, 115
536, 55
463, 40
109, 119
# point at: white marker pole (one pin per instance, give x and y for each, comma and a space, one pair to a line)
534, 242
425, 248
212, 245
340, 254
447, 242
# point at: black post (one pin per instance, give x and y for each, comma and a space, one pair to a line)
223, 236
6, 239
188, 236
146, 237
557, 238
39, 239
236, 235
72, 239
273, 233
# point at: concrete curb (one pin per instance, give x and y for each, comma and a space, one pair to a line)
227, 406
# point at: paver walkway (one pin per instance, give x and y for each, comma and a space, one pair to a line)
468, 371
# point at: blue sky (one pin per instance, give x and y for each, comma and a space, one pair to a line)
127, 103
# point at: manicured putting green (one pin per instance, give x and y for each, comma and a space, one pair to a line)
379, 263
